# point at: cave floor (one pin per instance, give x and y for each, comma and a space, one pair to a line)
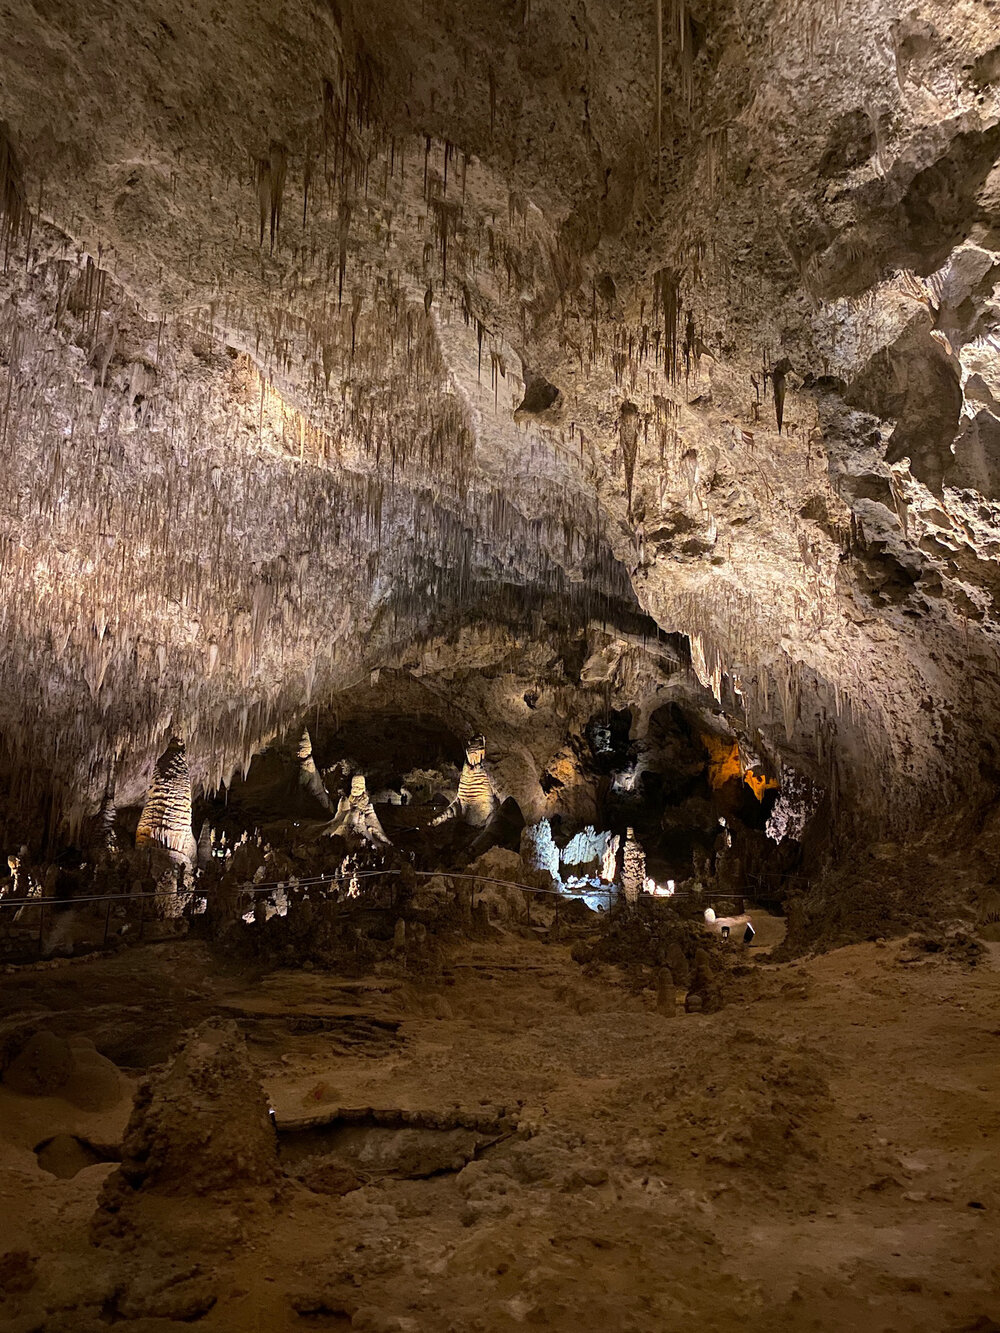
822, 1154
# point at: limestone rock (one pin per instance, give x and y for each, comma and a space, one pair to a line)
165, 824
49, 1066
201, 1127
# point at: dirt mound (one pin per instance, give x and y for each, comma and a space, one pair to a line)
954, 946
500, 900
199, 1162
934, 883
49, 1066
200, 1127
656, 936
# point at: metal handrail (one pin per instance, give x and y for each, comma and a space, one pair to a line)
317, 880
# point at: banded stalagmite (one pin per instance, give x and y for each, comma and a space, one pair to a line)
103, 836
165, 823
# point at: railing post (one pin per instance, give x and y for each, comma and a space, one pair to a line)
107, 922
41, 925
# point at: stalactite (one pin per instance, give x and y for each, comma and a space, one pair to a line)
270, 174
362, 449
717, 159
628, 430
778, 377
666, 302
460, 543
14, 215
679, 21
659, 90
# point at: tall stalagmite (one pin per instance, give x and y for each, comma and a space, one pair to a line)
103, 837
309, 775
165, 822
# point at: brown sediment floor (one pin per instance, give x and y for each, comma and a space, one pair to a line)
821, 1154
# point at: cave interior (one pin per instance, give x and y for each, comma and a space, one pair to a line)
499, 680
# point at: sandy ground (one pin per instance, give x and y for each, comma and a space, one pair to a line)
822, 1154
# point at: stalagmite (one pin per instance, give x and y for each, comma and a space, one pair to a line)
591, 851
633, 869
609, 859
165, 823
355, 818
309, 775
477, 800
103, 835
22, 884
206, 847
539, 851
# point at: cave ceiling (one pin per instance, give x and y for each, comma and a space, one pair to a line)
329, 329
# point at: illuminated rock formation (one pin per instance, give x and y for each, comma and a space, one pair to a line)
165, 823
720, 346
356, 819
309, 775
633, 869
22, 885
539, 851
476, 801
103, 836
591, 852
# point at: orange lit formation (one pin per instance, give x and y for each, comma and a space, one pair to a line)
725, 764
